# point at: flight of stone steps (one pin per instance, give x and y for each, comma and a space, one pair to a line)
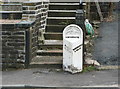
59, 16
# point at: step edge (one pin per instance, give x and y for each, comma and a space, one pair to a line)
50, 44
61, 10
56, 25
11, 11
44, 63
55, 33
70, 18
50, 51
64, 3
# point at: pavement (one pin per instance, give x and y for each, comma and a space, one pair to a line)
106, 48
42, 77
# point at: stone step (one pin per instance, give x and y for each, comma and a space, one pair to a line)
55, 28
64, 7
53, 36
64, 3
62, 11
47, 60
60, 21
51, 44
56, 45
62, 18
61, 14
49, 47
69, 3
50, 52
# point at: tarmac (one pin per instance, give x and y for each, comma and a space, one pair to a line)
106, 45
57, 78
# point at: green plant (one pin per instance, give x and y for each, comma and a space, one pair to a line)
89, 68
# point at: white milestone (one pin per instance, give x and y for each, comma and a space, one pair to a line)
73, 49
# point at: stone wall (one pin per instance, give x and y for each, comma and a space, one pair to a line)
11, 7
11, 11
20, 37
14, 44
36, 11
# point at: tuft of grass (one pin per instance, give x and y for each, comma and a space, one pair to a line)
89, 68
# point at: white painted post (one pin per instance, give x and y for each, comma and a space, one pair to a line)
73, 49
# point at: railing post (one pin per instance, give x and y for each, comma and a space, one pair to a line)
27, 48
80, 18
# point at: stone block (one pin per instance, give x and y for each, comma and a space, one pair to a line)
32, 8
29, 12
6, 33
25, 7
16, 44
7, 26
11, 7
18, 33
29, 4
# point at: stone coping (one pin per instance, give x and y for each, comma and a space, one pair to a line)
17, 23
11, 4
11, 12
3, 21
13, 0
21, 1
25, 23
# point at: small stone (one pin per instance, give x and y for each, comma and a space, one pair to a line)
96, 22
91, 62
86, 42
88, 37
96, 26
58, 70
93, 76
89, 55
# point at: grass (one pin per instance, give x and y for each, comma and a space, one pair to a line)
89, 68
